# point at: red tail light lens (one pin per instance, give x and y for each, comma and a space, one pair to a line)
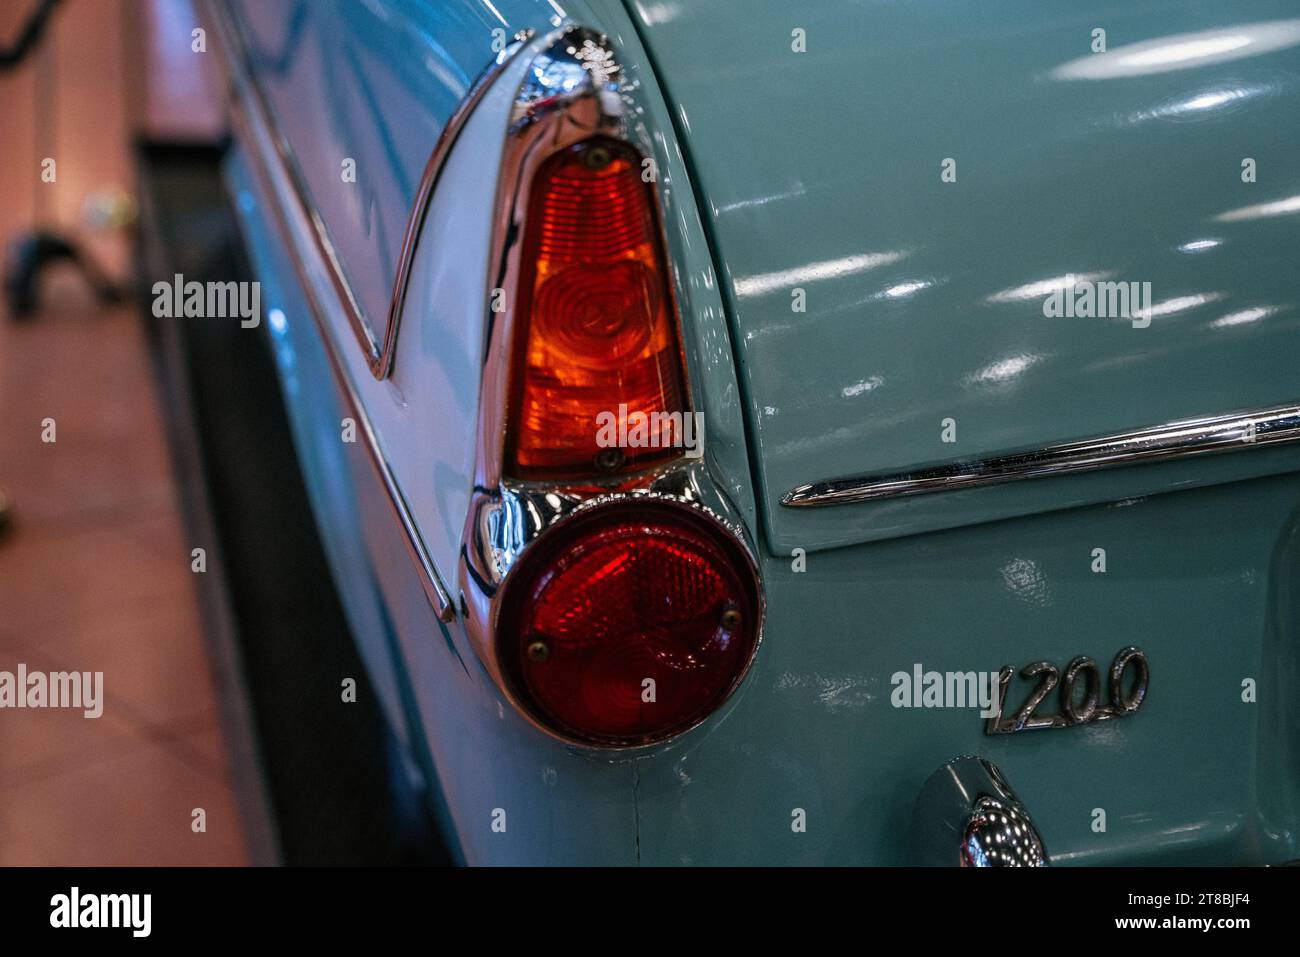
597, 330
629, 623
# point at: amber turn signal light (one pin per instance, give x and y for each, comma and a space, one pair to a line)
596, 327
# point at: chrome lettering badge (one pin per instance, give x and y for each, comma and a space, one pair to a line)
1129, 678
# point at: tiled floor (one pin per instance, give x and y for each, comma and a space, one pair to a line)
95, 576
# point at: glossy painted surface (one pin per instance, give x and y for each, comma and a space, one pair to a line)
1204, 581
823, 172
370, 85
819, 160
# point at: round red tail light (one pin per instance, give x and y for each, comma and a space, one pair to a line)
629, 623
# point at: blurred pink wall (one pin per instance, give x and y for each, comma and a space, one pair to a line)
179, 99
105, 71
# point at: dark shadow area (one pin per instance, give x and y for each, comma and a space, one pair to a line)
335, 782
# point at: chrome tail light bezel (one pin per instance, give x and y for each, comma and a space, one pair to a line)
575, 87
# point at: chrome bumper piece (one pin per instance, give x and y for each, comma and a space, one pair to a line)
967, 816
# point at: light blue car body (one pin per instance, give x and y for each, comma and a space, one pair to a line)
821, 173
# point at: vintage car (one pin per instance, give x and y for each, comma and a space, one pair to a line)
778, 433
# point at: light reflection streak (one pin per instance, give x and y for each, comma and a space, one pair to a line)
1243, 317
785, 279
496, 13
1045, 287
866, 385
1281, 207
1002, 371
1201, 103
1183, 51
903, 290
1179, 304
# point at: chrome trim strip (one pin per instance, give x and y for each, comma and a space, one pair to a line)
275, 178
379, 357
424, 194
1226, 432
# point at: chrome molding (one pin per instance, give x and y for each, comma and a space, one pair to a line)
424, 195
379, 355
296, 225
966, 815
1227, 432
575, 88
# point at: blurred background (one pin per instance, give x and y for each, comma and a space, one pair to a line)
94, 567
167, 437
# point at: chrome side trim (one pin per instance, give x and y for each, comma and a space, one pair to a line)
379, 356
1226, 432
294, 223
424, 194
575, 87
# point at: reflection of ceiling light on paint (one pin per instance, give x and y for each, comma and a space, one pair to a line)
760, 201
1025, 579
815, 272
1208, 101
905, 289
495, 12
1200, 103
1183, 51
655, 14
1167, 53
1243, 317
1181, 304
1045, 287
1281, 207
866, 385
1004, 370
1199, 245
